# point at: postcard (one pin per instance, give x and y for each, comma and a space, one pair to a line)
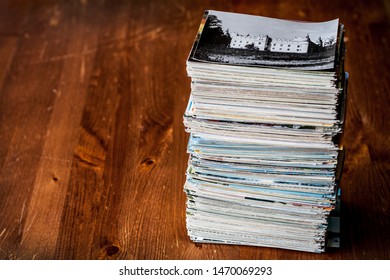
248, 40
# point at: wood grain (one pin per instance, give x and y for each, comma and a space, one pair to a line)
93, 148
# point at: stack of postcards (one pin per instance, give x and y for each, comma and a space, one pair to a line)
265, 116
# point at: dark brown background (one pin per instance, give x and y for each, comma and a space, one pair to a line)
92, 145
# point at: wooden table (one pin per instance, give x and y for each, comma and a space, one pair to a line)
93, 148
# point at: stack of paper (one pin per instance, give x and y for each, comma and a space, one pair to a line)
265, 115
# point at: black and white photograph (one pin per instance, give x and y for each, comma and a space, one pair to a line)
240, 39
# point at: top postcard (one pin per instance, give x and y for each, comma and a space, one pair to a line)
247, 40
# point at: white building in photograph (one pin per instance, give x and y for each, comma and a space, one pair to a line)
259, 42
264, 42
296, 45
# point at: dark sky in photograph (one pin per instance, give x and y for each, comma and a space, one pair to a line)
276, 28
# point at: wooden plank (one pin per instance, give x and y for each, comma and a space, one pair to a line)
26, 96
93, 189
13, 17
364, 212
7, 50
44, 216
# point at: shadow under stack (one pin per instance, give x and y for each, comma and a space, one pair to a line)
266, 116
